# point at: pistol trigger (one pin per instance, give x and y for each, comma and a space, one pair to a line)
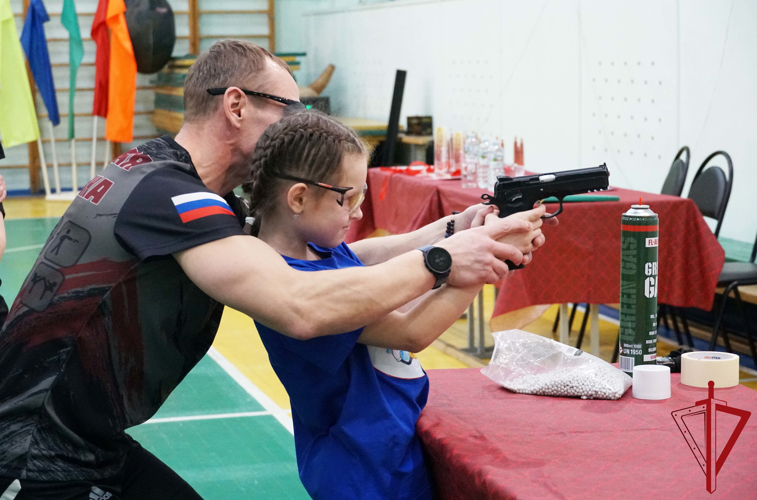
559, 211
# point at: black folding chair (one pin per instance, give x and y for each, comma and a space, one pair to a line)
711, 189
734, 275
677, 174
674, 186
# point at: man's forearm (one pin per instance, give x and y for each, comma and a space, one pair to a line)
246, 274
373, 251
333, 302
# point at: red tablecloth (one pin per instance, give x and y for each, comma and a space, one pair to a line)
486, 442
581, 260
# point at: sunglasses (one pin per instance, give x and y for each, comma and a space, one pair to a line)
353, 202
290, 104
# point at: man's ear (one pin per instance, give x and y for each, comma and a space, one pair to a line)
233, 102
296, 197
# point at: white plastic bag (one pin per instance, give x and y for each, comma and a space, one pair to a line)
530, 364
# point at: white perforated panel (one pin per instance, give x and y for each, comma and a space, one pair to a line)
467, 70
629, 95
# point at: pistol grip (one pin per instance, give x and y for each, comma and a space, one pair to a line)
512, 267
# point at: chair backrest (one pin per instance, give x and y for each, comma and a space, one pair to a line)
677, 174
711, 189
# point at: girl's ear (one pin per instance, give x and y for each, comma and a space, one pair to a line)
296, 197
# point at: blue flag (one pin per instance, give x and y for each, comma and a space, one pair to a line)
34, 44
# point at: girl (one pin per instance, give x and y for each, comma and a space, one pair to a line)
356, 396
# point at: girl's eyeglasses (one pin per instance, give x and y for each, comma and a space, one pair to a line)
353, 202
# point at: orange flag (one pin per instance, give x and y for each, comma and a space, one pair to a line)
122, 84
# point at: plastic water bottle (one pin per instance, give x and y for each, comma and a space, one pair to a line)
470, 164
484, 159
498, 163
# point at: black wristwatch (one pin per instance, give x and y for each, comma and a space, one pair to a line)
439, 262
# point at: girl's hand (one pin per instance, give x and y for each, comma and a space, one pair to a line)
530, 237
480, 215
465, 219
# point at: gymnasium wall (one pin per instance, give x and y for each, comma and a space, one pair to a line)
583, 81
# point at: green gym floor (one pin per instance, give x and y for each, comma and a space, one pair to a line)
227, 428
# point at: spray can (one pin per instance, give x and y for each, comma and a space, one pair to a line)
639, 237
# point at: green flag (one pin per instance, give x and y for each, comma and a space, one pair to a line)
75, 54
18, 119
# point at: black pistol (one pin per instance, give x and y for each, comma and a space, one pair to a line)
520, 194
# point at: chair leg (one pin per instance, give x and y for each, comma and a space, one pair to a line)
748, 330
572, 317
617, 349
557, 321
727, 341
721, 312
662, 312
686, 330
675, 325
583, 326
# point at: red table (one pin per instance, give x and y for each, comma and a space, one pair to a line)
581, 260
486, 442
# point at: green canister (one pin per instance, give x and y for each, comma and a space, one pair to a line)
639, 237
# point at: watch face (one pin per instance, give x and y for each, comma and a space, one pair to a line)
439, 260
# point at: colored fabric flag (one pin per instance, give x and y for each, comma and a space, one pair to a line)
102, 59
70, 21
18, 118
122, 81
35, 45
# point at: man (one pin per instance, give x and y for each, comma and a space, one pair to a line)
3, 192
127, 294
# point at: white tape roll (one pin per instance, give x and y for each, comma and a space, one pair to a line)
698, 368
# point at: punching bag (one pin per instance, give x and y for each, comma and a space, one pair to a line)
152, 32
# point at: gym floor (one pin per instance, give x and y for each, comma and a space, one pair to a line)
227, 428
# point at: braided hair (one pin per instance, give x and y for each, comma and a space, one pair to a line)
309, 145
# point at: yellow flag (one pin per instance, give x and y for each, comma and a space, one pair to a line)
18, 119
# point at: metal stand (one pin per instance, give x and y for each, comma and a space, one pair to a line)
564, 328
480, 350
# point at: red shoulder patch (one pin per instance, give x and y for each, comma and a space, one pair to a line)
95, 190
131, 158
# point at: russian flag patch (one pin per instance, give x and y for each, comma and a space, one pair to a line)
193, 206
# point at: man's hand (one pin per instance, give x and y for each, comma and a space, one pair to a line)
477, 255
3, 191
525, 242
465, 220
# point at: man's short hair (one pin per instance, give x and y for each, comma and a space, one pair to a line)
228, 63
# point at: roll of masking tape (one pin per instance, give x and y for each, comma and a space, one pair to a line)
698, 368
